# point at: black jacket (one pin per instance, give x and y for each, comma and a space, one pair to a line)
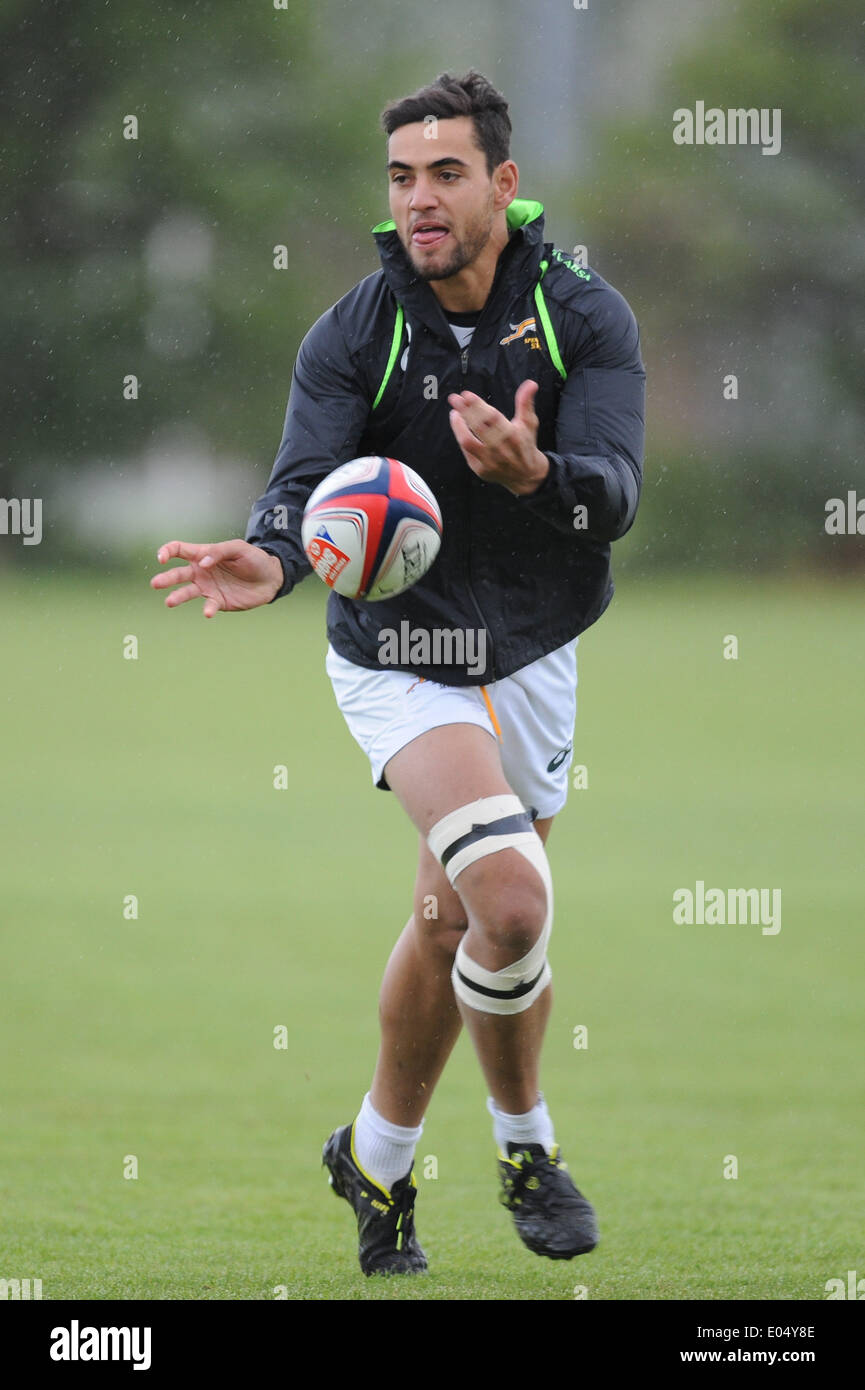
534, 571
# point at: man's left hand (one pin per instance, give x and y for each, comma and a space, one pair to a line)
497, 449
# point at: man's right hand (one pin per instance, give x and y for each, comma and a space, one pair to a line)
229, 575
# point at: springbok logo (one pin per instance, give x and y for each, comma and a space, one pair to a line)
519, 331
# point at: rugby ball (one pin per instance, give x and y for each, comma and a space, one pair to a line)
371, 529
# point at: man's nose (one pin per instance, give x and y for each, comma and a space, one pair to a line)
424, 194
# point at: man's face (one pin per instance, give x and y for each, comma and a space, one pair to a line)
438, 180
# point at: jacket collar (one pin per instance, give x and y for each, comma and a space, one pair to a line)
518, 267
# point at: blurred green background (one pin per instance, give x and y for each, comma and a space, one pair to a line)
152, 1036
258, 127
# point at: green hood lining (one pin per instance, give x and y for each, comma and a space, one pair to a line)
518, 213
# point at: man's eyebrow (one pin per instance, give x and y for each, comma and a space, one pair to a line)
434, 164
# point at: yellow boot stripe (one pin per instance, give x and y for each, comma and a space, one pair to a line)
370, 1180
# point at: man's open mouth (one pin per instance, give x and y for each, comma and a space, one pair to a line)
429, 234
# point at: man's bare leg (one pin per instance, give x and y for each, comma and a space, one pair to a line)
503, 897
420, 1020
503, 900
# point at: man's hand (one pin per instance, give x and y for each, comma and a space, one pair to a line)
500, 450
228, 575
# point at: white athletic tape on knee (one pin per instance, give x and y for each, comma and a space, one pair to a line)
507, 991
482, 827
461, 838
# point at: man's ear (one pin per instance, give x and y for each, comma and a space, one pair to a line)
507, 181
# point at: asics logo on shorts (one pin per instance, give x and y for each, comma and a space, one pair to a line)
558, 759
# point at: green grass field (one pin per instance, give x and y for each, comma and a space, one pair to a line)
259, 907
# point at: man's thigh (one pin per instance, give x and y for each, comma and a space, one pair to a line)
443, 769
437, 773
446, 768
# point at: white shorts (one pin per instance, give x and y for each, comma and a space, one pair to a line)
530, 713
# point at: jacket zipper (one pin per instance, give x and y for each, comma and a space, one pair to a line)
464, 361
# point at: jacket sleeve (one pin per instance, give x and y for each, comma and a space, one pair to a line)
597, 465
328, 406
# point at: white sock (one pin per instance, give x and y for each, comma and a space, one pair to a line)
384, 1150
535, 1127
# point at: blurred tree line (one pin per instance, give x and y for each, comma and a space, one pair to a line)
152, 256
750, 265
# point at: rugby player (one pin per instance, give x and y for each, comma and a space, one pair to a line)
510, 378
